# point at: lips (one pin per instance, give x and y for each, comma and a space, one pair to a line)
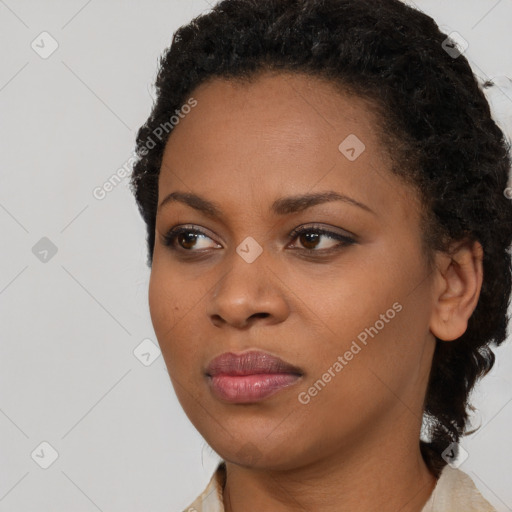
249, 363
249, 377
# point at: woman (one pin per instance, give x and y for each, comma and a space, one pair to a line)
328, 238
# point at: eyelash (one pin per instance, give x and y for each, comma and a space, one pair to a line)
170, 237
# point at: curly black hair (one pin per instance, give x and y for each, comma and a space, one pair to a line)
433, 114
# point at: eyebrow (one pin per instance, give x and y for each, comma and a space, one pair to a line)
281, 206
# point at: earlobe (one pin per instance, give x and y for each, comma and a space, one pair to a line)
456, 289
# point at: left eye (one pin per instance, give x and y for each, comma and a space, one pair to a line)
309, 238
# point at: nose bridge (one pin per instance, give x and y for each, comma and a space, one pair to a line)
245, 275
247, 288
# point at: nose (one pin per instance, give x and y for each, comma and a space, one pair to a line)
248, 293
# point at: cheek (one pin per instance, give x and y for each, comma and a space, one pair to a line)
165, 309
162, 303
174, 306
170, 295
349, 297
374, 310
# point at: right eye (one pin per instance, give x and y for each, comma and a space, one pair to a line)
183, 238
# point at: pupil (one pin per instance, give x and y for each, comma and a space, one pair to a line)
189, 238
313, 237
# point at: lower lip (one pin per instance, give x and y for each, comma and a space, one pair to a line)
250, 388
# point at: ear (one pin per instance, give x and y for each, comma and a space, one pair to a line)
456, 289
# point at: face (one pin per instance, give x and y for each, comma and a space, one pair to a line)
346, 302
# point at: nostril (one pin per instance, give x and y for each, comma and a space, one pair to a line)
260, 315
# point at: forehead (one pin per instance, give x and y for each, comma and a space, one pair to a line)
278, 130
292, 106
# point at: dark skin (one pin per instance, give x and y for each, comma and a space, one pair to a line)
355, 445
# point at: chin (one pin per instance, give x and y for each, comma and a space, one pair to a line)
262, 455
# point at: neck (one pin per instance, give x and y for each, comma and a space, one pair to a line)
385, 473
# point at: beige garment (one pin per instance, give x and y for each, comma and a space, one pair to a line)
454, 492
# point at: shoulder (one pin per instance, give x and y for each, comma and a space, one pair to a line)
210, 500
455, 491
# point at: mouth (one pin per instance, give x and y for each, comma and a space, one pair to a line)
249, 377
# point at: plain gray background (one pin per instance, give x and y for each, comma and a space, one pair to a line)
79, 364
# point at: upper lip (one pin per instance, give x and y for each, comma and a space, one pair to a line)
249, 363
